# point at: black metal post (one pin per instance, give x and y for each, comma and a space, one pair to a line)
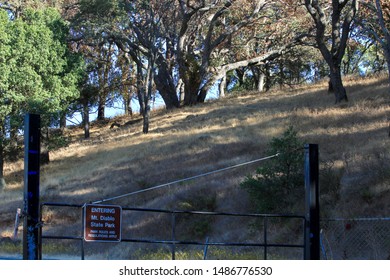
32, 150
312, 234
265, 237
173, 237
40, 233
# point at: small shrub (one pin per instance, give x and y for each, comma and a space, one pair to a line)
199, 202
57, 141
9, 246
279, 181
367, 195
196, 226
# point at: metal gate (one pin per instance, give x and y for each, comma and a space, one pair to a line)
168, 233
33, 231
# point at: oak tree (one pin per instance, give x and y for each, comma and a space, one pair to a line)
332, 23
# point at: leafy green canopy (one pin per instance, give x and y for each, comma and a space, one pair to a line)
39, 74
279, 183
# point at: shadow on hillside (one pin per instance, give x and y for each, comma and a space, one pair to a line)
196, 152
133, 175
164, 158
168, 156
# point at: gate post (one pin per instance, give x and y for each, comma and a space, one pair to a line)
32, 151
312, 209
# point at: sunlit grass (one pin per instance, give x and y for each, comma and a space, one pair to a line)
353, 137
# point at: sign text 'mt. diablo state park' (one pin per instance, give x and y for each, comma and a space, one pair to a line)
102, 223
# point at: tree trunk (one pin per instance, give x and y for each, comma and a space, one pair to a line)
167, 90
203, 93
180, 89
190, 93
388, 69
127, 103
140, 89
171, 100
222, 86
189, 71
63, 121
334, 63
330, 86
148, 94
2, 180
261, 82
259, 78
267, 84
146, 119
45, 154
342, 16
1, 159
86, 119
13, 142
337, 84
191, 87
165, 85
387, 55
240, 72
282, 76
101, 109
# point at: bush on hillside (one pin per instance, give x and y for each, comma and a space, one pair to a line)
279, 182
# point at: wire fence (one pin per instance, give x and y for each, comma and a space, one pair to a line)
355, 239
187, 179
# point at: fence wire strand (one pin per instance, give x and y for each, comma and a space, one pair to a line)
186, 179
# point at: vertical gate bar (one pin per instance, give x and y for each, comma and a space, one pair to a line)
206, 247
265, 237
312, 242
304, 239
173, 246
82, 233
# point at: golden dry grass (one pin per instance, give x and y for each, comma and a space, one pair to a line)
353, 139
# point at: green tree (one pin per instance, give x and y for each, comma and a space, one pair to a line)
39, 73
5, 50
279, 181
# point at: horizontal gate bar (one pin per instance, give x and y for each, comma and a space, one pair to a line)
62, 237
176, 242
187, 212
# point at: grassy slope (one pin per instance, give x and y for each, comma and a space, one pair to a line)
353, 139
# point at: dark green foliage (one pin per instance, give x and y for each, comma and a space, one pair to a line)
39, 73
279, 182
58, 140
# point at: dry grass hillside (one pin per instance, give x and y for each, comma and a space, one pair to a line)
354, 151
